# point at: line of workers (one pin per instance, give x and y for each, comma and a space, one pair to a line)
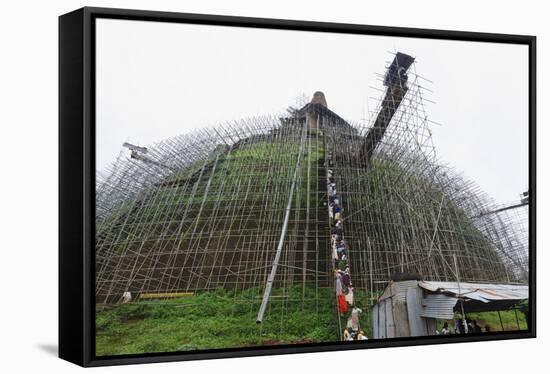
344, 287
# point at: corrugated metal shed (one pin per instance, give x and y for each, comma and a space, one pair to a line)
427, 301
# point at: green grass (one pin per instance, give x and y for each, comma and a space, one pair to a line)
508, 320
216, 319
491, 319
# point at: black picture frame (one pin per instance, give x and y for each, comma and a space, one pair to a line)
77, 180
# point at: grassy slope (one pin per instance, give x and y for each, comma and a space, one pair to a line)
483, 319
219, 319
508, 320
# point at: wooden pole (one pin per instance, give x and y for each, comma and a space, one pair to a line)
306, 234
460, 294
271, 277
500, 318
517, 319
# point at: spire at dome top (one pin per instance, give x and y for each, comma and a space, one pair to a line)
319, 98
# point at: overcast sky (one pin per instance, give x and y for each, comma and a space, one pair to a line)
156, 80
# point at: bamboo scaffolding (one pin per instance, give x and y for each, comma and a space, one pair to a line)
206, 211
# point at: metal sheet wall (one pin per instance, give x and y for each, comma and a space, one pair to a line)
374, 322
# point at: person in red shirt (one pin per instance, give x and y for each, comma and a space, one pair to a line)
342, 304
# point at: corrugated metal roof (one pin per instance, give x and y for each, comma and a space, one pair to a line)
483, 292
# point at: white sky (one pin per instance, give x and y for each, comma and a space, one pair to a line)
156, 80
